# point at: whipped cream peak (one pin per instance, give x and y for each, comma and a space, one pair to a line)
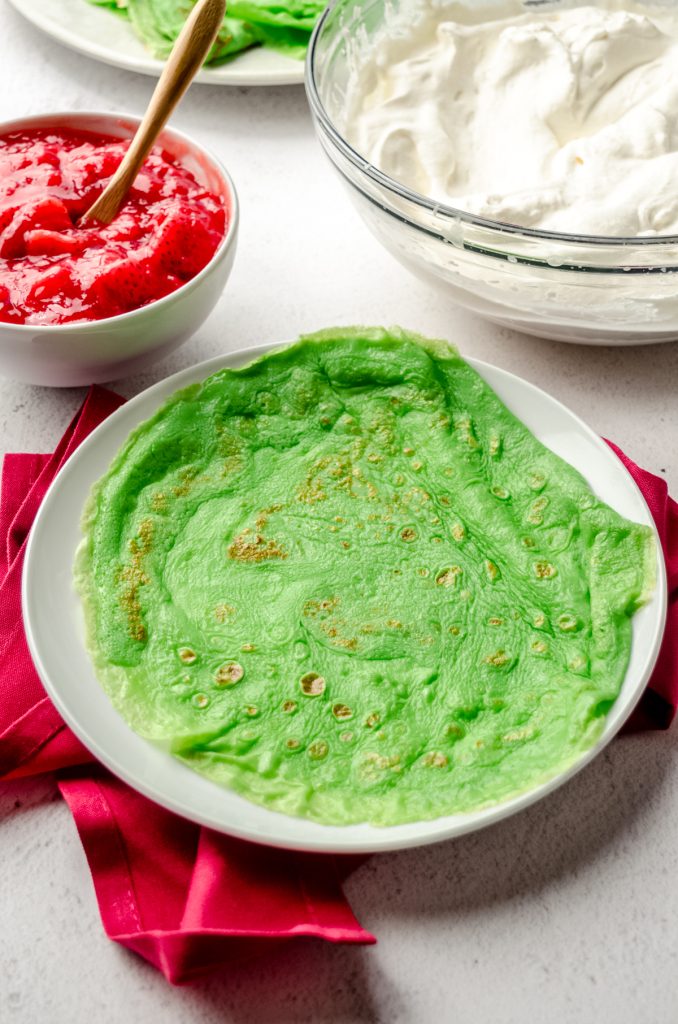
558, 117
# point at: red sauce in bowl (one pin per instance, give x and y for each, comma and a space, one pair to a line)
54, 272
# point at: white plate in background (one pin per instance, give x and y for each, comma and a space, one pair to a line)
103, 35
55, 631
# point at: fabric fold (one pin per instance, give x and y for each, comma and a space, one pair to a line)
33, 737
657, 707
188, 899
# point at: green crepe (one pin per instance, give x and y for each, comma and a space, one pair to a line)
346, 582
284, 26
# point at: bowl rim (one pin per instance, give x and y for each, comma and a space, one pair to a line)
410, 195
64, 118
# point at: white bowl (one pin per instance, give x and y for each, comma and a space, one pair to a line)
90, 352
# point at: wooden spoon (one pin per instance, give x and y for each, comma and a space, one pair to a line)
187, 57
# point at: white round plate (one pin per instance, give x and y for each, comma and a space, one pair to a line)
55, 630
102, 34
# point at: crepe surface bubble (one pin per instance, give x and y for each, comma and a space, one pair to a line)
346, 582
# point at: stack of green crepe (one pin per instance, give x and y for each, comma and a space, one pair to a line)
283, 25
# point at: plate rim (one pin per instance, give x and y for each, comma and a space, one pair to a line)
150, 66
433, 830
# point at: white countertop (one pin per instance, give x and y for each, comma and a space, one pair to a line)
567, 912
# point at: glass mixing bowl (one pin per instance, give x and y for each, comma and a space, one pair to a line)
579, 288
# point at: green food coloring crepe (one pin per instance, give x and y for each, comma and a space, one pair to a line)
348, 583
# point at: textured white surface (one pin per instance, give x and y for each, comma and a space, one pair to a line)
564, 915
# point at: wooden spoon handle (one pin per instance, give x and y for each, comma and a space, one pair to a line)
187, 57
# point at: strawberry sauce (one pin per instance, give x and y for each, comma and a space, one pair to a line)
54, 272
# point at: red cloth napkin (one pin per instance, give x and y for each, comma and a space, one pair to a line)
185, 898
659, 703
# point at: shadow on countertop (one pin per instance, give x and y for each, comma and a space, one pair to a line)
561, 836
556, 837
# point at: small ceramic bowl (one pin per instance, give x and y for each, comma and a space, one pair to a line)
87, 352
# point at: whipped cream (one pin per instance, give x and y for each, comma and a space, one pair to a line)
557, 117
